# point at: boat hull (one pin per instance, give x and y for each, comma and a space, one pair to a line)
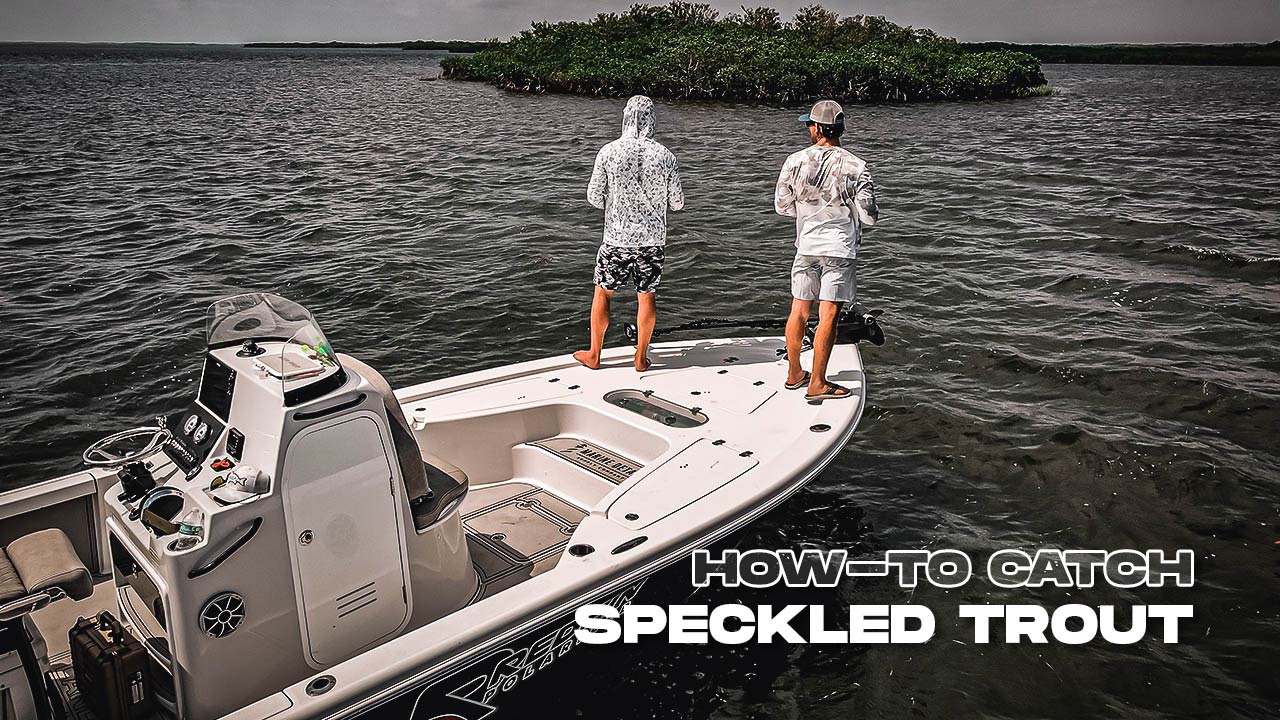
473, 687
645, 468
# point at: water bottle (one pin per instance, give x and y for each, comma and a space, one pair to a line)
192, 523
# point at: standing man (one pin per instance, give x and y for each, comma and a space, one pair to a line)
635, 182
828, 190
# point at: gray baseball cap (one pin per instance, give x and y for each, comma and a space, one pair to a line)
825, 112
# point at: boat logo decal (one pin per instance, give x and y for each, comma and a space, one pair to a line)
477, 687
587, 455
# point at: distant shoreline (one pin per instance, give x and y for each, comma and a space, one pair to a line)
1253, 54
1256, 54
1244, 54
454, 46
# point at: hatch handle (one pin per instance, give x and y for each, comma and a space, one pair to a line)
208, 566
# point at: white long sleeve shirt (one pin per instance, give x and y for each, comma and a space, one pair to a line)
828, 190
635, 181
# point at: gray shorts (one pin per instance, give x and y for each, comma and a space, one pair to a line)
823, 278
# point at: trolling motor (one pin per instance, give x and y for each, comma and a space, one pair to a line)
856, 324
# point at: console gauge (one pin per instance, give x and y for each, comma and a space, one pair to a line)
189, 426
202, 432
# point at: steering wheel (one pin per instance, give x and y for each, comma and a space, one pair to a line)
101, 454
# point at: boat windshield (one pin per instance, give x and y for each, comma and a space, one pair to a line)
302, 359
258, 317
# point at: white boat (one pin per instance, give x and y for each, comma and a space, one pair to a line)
303, 542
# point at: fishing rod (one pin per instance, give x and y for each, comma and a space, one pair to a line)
855, 325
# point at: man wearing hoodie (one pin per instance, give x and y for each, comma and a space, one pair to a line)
635, 182
828, 190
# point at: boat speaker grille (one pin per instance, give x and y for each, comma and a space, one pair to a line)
222, 614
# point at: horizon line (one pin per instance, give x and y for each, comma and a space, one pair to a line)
243, 43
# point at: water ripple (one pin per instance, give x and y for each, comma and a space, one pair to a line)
1081, 290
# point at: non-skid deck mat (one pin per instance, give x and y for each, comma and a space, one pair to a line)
497, 566
591, 457
521, 530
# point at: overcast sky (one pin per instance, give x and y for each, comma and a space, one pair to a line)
235, 21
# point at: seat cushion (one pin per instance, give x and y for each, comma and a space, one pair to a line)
11, 587
46, 560
443, 467
448, 483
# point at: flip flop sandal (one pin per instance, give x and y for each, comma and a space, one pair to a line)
804, 380
833, 393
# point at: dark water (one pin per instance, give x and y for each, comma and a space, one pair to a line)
1082, 295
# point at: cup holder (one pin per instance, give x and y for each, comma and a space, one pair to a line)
160, 508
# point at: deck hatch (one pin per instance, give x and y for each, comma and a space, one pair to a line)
518, 530
685, 478
663, 412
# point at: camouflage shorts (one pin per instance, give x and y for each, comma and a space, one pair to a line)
615, 264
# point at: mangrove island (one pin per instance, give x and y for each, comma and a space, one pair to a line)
686, 50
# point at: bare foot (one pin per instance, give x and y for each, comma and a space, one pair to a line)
642, 363
588, 358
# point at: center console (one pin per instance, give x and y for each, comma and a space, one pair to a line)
202, 561
278, 495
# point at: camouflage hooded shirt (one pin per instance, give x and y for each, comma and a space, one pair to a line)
828, 190
635, 182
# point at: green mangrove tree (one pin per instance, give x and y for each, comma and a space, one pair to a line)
687, 50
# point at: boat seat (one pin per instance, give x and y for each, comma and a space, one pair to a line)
37, 569
434, 485
447, 488
11, 586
